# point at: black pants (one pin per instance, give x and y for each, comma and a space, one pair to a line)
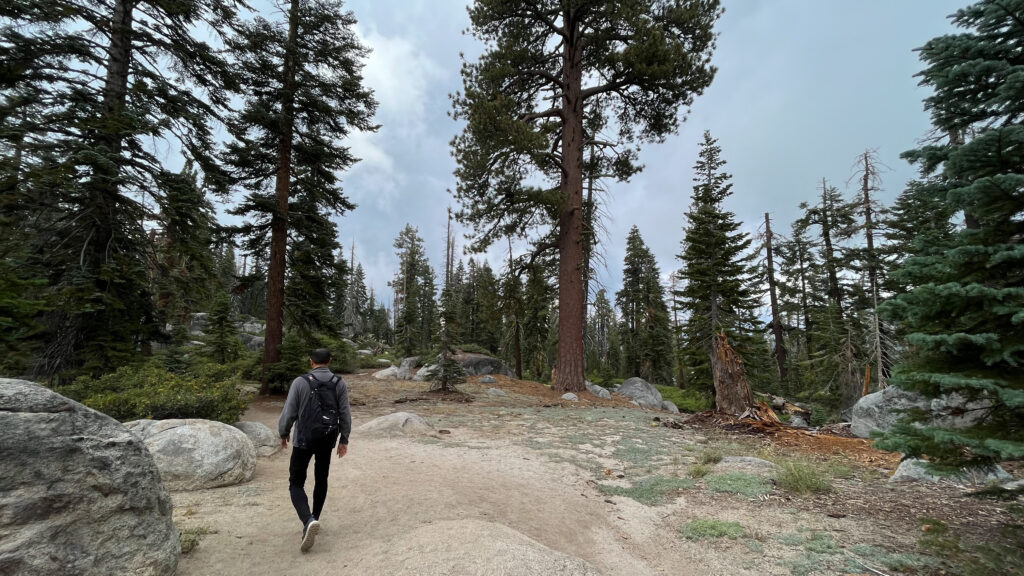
297, 478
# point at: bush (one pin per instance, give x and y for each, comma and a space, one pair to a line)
150, 391
801, 478
686, 400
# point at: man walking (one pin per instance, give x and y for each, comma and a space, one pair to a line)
318, 406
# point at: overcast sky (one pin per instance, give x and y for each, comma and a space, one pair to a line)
803, 87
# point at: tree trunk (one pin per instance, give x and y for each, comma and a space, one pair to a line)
517, 348
872, 263
279, 221
780, 344
834, 293
732, 392
569, 376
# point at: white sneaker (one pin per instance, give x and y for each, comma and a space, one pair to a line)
309, 535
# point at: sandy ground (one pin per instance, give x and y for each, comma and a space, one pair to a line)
478, 501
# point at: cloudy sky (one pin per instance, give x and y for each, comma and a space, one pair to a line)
803, 87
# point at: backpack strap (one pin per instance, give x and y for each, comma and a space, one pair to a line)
314, 384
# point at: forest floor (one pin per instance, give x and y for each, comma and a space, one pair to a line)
529, 484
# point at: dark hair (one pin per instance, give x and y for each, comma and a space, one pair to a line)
320, 356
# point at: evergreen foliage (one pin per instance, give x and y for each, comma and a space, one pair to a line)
89, 87
720, 291
965, 305
222, 345
646, 338
637, 65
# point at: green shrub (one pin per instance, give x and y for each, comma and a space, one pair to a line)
699, 470
686, 400
709, 457
367, 362
738, 483
150, 391
802, 478
698, 529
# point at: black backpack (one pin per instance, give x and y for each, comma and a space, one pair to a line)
321, 418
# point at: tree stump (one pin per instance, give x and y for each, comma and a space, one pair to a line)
732, 392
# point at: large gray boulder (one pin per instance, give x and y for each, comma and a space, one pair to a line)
196, 454
397, 424
407, 369
880, 410
478, 365
641, 391
597, 390
390, 373
264, 440
423, 373
914, 470
79, 494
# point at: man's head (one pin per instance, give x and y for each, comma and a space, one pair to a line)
320, 357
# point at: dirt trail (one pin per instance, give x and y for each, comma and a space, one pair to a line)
496, 496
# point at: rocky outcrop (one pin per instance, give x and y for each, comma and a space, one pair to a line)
642, 392
397, 424
79, 493
407, 369
423, 373
479, 364
195, 454
256, 343
264, 440
390, 373
597, 390
915, 470
880, 410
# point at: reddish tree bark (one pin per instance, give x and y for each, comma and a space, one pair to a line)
279, 221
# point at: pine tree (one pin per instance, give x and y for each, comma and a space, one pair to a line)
355, 303
538, 297
602, 338
302, 86
719, 292
646, 336
487, 305
919, 222
90, 86
512, 306
964, 308
413, 285
222, 344
595, 62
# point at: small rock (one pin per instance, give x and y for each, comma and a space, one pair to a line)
669, 406
383, 362
487, 380
797, 421
496, 392
642, 392
364, 352
404, 423
570, 397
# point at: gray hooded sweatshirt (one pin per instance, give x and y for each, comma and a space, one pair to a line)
298, 397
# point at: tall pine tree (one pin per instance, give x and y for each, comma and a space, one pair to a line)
719, 292
552, 76
647, 343
303, 94
965, 308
